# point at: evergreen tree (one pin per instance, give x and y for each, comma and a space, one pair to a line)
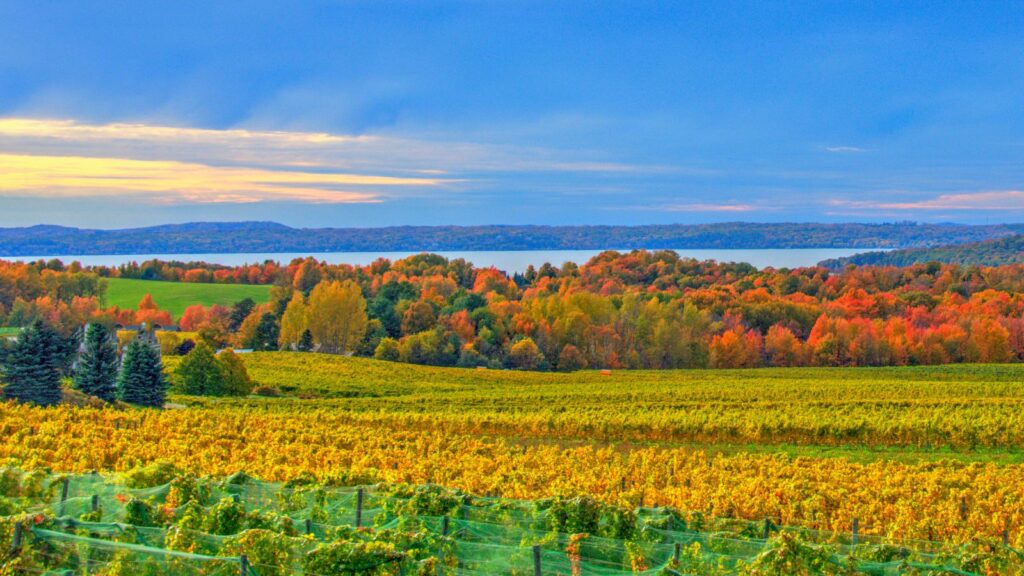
306, 341
142, 380
267, 333
239, 312
32, 366
199, 373
96, 373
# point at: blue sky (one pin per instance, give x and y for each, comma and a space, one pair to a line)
115, 114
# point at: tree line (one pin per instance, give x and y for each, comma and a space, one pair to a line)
619, 310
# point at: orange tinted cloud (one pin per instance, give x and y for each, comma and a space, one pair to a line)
174, 181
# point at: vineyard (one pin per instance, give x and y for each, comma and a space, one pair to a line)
929, 453
156, 520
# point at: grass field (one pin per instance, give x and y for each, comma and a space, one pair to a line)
176, 296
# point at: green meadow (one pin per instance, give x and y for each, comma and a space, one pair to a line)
176, 296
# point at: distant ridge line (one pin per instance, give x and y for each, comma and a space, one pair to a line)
272, 237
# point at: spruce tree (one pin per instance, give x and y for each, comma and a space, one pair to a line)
267, 333
305, 342
96, 373
32, 366
141, 381
200, 374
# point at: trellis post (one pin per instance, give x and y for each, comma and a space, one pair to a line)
536, 560
16, 539
64, 493
359, 508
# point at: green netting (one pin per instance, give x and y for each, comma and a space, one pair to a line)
93, 524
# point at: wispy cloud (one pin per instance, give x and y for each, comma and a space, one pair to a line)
845, 149
1003, 200
171, 181
290, 149
701, 207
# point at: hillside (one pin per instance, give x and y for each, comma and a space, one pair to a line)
995, 252
207, 237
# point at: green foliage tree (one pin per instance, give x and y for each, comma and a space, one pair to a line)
96, 373
32, 366
387, 350
200, 374
525, 355
236, 378
141, 380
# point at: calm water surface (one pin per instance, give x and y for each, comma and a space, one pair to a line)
509, 260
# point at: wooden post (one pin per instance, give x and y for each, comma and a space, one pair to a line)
95, 504
767, 528
243, 565
16, 539
444, 526
676, 550
1006, 537
359, 507
623, 485
64, 493
309, 526
856, 526
536, 560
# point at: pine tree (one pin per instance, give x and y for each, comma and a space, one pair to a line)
32, 366
142, 380
96, 374
199, 373
305, 342
267, 333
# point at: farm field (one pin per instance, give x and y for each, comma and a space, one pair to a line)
803, 447
176, 296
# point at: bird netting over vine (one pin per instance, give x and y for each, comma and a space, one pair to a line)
153, 521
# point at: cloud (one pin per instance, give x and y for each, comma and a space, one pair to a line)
165, 181
1003, 200
700, 207
845, 149
291, 149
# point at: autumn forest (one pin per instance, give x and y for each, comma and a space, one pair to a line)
636, 310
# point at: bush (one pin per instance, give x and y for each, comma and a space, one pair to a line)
268, 391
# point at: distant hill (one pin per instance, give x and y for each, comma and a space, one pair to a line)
1008, 250
234, 237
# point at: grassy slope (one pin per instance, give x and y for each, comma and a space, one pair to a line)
964, 412
176, 296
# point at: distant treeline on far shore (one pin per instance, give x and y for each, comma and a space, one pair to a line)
238, 237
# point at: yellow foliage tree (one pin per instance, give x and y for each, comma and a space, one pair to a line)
295, 321
337, 316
